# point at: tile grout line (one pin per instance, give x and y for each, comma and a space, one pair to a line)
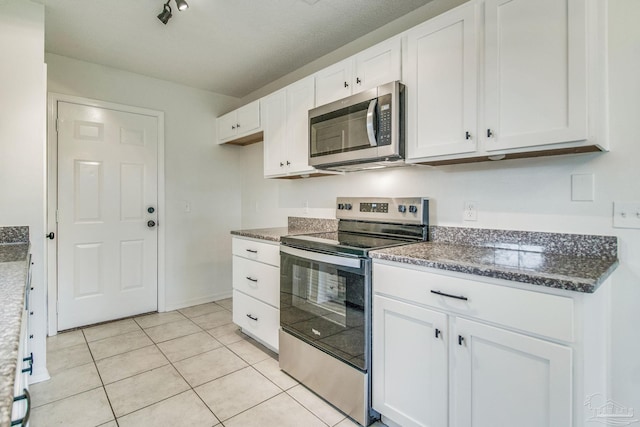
104, 390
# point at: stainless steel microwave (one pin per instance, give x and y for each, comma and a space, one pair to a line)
362, 131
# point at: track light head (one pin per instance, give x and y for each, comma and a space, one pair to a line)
182, 5
165, 15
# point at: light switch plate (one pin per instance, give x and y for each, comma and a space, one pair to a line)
626, 214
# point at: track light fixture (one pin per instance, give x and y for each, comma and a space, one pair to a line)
165, 15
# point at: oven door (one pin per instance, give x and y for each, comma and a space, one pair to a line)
325, 302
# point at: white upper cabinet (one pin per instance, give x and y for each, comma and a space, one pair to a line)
370, 68
333, 82
506, 78
274, 128
441, 78
241, 126
535, 72
286, 131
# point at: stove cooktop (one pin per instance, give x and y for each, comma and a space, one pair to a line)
341, 242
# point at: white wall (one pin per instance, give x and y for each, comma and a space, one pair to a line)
197, 170
22, 144
527, 194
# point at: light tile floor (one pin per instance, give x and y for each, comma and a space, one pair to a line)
190, 367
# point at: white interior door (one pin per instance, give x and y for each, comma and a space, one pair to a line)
107, 196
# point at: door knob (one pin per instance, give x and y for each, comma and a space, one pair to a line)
50, 236
151, 223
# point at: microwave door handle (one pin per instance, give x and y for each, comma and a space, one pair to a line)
371, 112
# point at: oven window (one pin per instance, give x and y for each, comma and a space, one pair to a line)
324, 305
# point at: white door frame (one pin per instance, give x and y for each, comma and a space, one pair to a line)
52, 196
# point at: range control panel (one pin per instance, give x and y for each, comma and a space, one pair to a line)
401, 210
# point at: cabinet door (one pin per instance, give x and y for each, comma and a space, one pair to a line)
227, 126
248, 118
441, 78
300, 99
274, 128
378, 65
535, 73
409, 363
333, 82
502, 378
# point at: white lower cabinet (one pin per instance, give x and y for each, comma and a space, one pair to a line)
457, 350
256, 289
502, 378
256, 318
410, 363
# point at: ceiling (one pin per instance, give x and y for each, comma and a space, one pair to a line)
231, 47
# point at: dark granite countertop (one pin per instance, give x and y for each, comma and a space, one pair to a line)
14, 257
572, 262
296, 225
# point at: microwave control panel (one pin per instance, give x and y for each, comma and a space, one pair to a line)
384, 120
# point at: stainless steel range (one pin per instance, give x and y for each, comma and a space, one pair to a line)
325, 297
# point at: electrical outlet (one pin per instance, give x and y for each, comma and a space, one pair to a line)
470, 212
187, 206
626, 214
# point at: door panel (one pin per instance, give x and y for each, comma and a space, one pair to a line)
107, 177
410, 383
504, 378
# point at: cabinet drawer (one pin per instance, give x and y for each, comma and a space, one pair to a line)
261, 281
534, 312
268, 253
256, 318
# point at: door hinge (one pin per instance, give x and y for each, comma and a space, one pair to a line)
57, 306
57, 125
57, 215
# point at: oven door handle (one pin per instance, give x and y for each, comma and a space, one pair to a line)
326, 258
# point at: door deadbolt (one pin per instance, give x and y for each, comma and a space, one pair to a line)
151, 223
151, 209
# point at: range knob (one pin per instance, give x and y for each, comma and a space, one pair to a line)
402, 208
340, 206
348, 206
413, 208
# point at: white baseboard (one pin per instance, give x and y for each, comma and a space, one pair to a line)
176, 305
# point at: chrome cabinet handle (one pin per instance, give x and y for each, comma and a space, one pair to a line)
460, 297
253, 251
26, 396
252, 279
252, 317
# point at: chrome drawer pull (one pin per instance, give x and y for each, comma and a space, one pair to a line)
252, 317
23, 421
252, 279
253, 251
463, 298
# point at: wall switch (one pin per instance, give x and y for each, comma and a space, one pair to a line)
187, 206
470, 212
582, 187
626, 214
